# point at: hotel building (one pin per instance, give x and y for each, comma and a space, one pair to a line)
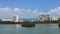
55, 18
44, 17
15, 18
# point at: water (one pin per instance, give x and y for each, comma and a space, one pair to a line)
38, 29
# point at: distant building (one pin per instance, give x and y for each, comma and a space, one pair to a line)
55, 18
21, 20
59, 18
15, 18
6, 19
33, 20
44, 17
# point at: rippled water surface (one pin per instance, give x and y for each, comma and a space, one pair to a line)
38, 29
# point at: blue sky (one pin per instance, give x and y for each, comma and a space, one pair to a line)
43, 5
24, 6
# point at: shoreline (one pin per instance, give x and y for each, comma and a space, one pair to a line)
36, 22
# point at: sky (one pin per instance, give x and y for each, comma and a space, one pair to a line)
28, 8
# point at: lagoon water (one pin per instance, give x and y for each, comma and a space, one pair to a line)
38, 29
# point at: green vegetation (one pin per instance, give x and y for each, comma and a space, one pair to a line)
28, 24
31, 24
8, 22
55, 21
42, 22
35, 22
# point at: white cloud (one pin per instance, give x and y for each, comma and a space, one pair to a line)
5, 9
5, 12
22, 13
55, 11
25, 13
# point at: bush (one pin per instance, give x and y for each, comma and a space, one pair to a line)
27, 24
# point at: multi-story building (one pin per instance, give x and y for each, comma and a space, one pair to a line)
55, 18
6, 19
59, 18
44, 17
15, 18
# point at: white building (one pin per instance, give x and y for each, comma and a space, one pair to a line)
6, 19
21, 20
55, 18
44, 17
33, 20
15, 18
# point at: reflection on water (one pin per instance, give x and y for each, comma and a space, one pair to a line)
17, 26
54, 29
38, 29
53, 26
